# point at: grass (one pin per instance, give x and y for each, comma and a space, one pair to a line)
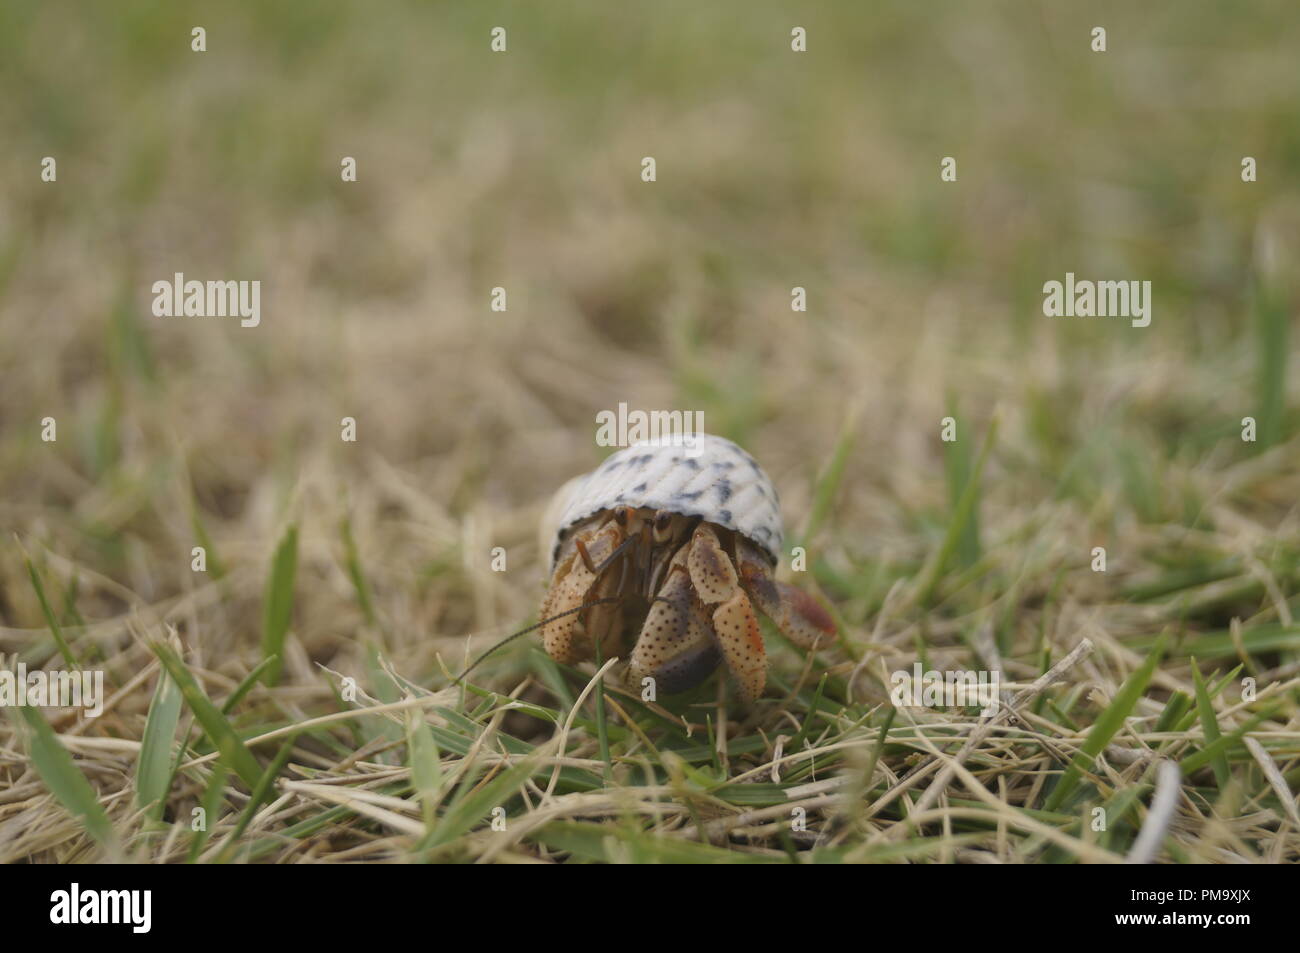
155, 769
1108, 723
279, 603
297, 696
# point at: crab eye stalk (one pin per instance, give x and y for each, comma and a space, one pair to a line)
663, 524
622, 514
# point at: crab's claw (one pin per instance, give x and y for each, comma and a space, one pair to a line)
675, 646
700, 616
799, 616
567, 635
735, 627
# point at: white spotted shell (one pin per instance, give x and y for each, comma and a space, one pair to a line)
703, 476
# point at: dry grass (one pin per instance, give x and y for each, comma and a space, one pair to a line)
775, 170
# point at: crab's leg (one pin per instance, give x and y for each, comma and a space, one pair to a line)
573, 583
735, 627
798, 615
675, 646
604, 621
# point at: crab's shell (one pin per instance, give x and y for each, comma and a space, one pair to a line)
710, 477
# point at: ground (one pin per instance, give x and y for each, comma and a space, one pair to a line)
310, 713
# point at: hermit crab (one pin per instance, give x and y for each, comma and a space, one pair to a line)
667, 547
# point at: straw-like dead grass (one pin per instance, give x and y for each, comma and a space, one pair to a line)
521, 171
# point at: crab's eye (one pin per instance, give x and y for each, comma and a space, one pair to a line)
663, 522
621, 514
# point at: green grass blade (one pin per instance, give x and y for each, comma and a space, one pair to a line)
212, 798
358, 577
476, 807
64, 648
424, 760
1210, 726
246, 686
70, 611
1272, 330
214, 723
1108, 723
260, 794
869, 772
592, 841
1256, 641
216, 568
279, 602
1199, 759
62, 776
958, 468
813, 714
602, 723
1212, 692
153, 776
961, 518
829, 480
1175, 708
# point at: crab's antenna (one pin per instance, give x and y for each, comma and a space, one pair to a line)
535, 625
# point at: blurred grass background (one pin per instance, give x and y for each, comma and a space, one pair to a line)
521, 170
